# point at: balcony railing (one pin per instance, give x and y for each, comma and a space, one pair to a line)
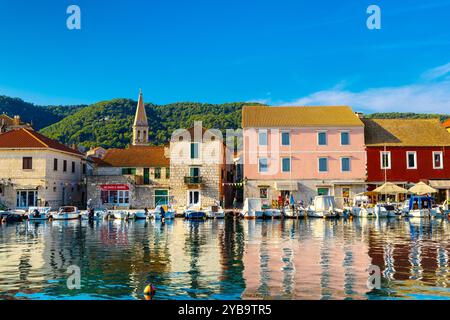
193, 180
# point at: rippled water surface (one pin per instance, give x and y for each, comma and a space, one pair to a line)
306, 259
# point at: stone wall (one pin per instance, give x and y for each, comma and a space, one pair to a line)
56, 188
141, 196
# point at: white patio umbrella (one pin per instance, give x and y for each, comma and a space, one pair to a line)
390, 188
422, 188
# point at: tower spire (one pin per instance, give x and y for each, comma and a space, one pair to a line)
140, 125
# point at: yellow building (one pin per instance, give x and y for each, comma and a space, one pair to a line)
38, 171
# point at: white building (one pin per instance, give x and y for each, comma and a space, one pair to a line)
36, 170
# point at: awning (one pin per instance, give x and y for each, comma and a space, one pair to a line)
348, 183
19, 187
286, 186
440, 184
114, 187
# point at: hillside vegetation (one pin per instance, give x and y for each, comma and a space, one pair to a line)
108, 123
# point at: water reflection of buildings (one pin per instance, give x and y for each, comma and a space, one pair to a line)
414, 254
21, 260
316, 260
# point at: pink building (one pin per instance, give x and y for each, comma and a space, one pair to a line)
306, 151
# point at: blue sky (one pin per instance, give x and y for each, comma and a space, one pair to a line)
279, 52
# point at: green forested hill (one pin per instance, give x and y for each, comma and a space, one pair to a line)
108, 123
40, 116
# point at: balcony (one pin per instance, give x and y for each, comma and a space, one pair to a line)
193, 180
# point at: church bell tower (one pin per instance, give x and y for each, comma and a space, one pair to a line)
140, 125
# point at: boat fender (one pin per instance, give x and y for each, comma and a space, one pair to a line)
149, 290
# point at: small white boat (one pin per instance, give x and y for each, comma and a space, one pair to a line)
99, 214
121, 214
272, 213
299, 212
215, 212
39, 213
443, 210
252, 209
139, 214
169, 213
323, 207
66, 213
383, 210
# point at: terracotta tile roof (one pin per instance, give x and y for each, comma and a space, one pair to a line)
446, 123
265, 116
135, 156
27, 138
405, 132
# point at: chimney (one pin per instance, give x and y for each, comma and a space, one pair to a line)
16, 120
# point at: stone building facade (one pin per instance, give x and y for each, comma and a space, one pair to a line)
38, 171
198, 168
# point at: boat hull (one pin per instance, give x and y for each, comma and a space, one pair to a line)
66, 216
251, 215
195, 215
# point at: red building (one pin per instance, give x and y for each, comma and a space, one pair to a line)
408, 151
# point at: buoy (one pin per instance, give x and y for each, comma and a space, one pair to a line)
149, 290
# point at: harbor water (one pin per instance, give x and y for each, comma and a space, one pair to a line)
226, 259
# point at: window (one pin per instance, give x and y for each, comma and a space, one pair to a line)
146, 175
263, 193
385, 159
157, 173
55, 164
438, 162
26, 198
262, 137
285, 138
129, 171
263, 165
194, 150
27, 163
323, 191
346, 192
323, 164
194, 197
286, 164
322, 138
411, 160
345, 138
161, 197
194, 171
121, 197
73, 167
167, 173
65, 165
345, 164
84, 167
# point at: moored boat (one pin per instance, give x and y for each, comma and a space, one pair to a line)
252, 209
98, 214
39, 213
420, 207
383, 210
272, 213
323, 207
169, 213
215, 212
121, 214
66, 213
